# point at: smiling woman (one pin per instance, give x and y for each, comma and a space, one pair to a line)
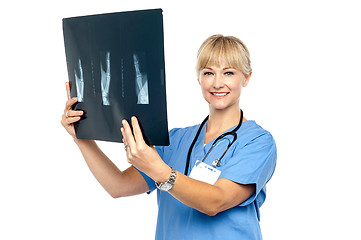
223, 69
220, 197
221, 86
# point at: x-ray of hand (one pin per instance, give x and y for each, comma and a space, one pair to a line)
79, 81
141, 82
105, 79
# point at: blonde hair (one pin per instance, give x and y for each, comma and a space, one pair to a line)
218, 49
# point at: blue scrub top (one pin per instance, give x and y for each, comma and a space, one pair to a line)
250, 160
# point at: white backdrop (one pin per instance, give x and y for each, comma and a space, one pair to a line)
304, 90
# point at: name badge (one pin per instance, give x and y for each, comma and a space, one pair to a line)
204, 172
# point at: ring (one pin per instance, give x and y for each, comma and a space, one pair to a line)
66, 114
126, 146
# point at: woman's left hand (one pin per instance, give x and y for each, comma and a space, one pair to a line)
142, 156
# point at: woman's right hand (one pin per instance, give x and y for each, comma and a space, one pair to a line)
70, 116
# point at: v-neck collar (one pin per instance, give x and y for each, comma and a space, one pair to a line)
200, 141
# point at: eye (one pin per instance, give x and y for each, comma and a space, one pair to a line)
207, 73
228, 73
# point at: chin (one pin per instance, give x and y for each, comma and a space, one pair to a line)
219, 107
223, 106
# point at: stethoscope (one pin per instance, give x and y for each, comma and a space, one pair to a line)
217, 162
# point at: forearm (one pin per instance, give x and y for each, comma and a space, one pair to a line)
199, 195
103, 169
210, 199
114, 181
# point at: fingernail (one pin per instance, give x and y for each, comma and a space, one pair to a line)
134, 118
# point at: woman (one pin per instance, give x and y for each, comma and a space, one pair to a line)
211, 178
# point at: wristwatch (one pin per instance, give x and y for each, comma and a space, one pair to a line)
167, 185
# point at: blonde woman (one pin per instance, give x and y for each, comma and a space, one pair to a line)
211, 179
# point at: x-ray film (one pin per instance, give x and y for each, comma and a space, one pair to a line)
116, 69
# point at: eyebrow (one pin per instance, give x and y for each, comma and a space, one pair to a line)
225, 68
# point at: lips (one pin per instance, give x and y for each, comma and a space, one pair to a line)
219, 94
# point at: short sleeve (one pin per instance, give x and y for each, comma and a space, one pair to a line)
252, 163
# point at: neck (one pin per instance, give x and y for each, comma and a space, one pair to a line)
222, 120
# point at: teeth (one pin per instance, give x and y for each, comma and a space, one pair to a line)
219, 94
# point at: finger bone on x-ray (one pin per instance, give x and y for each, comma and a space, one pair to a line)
79, 81
141, 82
105, 79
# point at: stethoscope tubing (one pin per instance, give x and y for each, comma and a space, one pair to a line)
233, 133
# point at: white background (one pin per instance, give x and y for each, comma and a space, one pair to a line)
304, 89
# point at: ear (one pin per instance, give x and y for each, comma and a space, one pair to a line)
246, 80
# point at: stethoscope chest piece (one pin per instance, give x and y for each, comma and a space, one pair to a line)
216, 163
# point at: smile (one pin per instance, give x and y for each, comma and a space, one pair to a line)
219, 94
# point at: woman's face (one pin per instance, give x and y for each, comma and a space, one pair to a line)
222, 85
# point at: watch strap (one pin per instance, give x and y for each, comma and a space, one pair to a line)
167, 185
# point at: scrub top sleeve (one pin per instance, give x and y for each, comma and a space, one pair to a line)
254, 163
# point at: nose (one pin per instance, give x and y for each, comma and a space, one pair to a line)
218, 81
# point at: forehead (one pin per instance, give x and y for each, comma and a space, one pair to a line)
221, 61
219, 54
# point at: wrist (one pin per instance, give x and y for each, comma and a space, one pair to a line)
167, 185
82, 141
76, 140
163, 174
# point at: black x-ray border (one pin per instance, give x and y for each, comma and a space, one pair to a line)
116, 68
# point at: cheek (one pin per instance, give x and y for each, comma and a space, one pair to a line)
204, 83
235, 85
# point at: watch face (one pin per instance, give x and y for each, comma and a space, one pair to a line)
166, 186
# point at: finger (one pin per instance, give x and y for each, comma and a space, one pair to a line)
70, 103
126, 145
137, 131
71, 120
128, 135
67, 86
72, 113
123, 134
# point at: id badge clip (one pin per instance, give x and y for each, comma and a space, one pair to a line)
205, 173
